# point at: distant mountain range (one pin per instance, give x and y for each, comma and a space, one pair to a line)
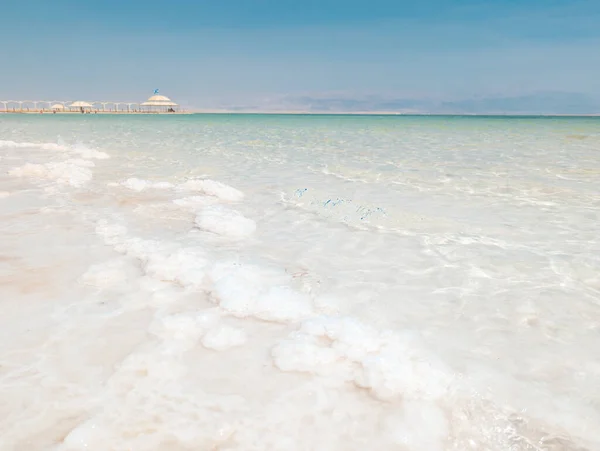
538, 103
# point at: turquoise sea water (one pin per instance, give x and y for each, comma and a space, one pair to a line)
300, 282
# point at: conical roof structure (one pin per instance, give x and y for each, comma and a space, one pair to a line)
80, 104
158, 100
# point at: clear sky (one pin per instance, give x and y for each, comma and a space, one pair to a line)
273, 53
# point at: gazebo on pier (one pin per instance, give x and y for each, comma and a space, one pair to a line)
81, 106
159, 104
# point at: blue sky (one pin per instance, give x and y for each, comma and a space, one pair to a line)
319, 54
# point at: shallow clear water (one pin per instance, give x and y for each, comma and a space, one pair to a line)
299, 282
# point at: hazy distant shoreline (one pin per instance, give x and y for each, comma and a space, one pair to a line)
386, 113
381, 113
303, 113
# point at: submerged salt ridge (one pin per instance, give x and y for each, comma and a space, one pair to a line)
224, 330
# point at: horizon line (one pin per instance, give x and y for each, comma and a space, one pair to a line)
383, 113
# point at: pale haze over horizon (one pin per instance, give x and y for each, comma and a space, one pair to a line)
528, 56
